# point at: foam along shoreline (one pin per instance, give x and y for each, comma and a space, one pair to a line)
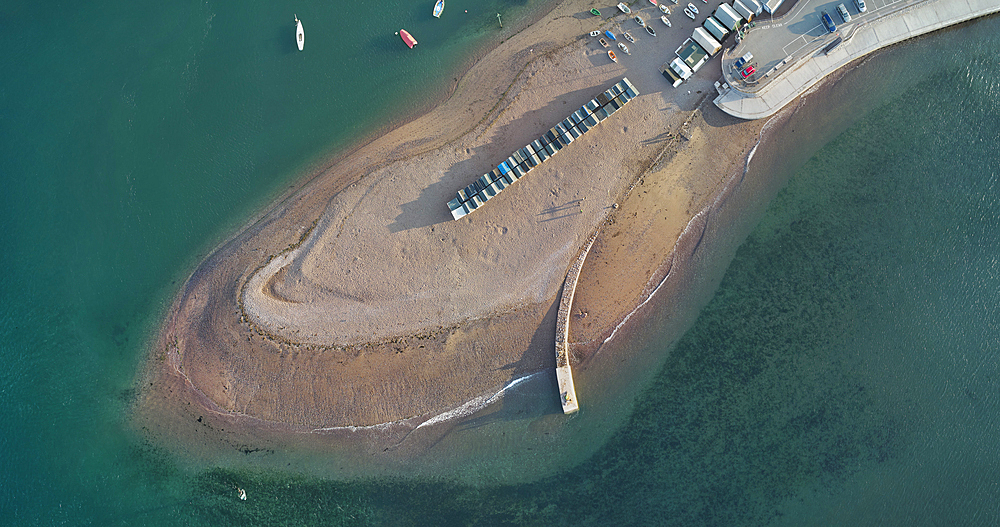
863, 38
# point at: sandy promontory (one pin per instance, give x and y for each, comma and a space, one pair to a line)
358, 301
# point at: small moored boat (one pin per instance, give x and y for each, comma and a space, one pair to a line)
689, 13
623, 8
650, 30
674, 1
664, 9
665, 20
611, 55
652, 2
603, 42
623, 47
628, 36
638, 20
595, 33
438, 8
610, 35
407, 38
596, 12
300, 35
693, 8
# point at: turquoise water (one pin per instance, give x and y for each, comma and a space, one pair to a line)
844, 372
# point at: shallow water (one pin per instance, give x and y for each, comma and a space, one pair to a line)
843, 372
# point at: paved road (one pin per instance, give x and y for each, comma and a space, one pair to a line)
798, 33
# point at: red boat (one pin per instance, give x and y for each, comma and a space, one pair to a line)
408, 38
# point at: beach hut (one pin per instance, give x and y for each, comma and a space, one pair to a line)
728, 17
692, 54
704, 38
743, 10
754, 6
716, 29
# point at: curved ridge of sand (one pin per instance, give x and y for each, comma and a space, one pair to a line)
358, 300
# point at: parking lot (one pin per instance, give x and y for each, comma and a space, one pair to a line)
777, 42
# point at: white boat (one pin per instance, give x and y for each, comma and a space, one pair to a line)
595, 33
674, 1
664, 9
665, 20
611, 55
623, 8
638, 20
623, 47
689, 13
438, 7
603, 42
692, 8
628, 36
300, 35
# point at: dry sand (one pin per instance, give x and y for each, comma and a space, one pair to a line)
357, 301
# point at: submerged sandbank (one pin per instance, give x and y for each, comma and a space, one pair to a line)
220, 378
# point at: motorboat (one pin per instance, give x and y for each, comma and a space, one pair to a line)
650, 30
407, 38
623, 47
652, 2
638, 20
664, 9
610, 35
693, 8
665, 20
300, 35
623, 8
628, 36
598, 13
438, 8
689, 13
612, 56
595, 33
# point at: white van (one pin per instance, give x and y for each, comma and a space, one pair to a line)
843, 13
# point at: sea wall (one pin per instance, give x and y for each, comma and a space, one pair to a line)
862, 39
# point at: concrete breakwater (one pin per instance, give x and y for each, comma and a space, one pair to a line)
813, 63
564, 372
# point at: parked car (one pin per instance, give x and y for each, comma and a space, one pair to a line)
828, 22
844, 14
747, 72
861, 6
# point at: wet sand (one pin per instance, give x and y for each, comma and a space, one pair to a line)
356, 309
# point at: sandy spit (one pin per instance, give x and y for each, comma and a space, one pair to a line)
357, 305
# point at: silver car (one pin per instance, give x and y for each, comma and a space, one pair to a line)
861, 6
843, 13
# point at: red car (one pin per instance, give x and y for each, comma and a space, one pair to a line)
747, 72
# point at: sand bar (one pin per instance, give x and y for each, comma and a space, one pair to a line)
356, 309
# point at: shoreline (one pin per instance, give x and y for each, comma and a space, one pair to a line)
520, 333
798, 75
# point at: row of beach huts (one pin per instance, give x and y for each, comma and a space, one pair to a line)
706, 41
523, 160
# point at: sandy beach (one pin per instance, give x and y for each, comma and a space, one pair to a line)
356, 309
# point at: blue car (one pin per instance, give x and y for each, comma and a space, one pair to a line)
828, 22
